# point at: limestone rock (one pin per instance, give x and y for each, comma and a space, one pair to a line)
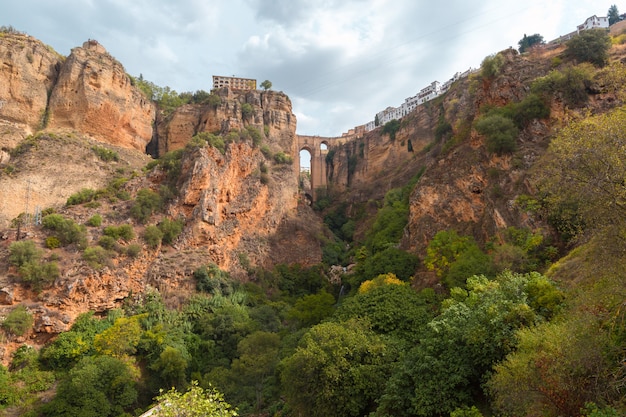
94, 95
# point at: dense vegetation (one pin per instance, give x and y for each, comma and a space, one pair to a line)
513, 330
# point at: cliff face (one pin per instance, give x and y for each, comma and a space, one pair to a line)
28, 71
94, 96
271, 115
89, 92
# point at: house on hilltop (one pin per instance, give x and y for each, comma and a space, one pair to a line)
235, 83
594, 22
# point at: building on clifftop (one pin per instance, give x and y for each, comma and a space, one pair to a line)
235, 83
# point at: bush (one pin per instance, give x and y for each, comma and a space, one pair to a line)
246, 110
589, 46
491, 65
500, 133
23, 252
18, 321
146, 204
124, 231
52, 242
105, 154
571, 84
97, 256
213, 280
171, 229
283, 158
108, 242
95, 220
38, 275
390, 128
256, 136
67, 231
152, 235
133, 250
83, 196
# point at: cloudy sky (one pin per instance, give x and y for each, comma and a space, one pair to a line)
340, 61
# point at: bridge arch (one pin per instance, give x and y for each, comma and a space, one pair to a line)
318, 147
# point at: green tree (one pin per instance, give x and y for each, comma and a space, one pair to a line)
196, 402
613, 15
18, 321
589, 46
555, 370
395, 310
120, 339
100, 386
338, 369
146, 204
475, 330
584, 168
23, 252
246, 110
312, 309
500, 133
266, 85
527, 41
254, 369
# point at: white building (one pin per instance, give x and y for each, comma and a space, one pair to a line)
594, 22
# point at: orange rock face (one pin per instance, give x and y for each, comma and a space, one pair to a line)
94, 95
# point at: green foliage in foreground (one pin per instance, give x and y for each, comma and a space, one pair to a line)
196, 402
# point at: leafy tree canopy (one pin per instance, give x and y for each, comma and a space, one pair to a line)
589, 46
527, 41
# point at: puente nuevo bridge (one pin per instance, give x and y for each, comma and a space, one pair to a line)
318, 147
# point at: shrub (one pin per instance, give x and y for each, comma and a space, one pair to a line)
18, 321
256, 136
170, 229
67, 231
152, 235
124, 231
133, 250
589, 46
390, 128
571, 84
491, 65
500, 133
265, 150
52, 242
246, 110
105, 154
147, 203
108, 242
23, 252
95, 220
38, 275
283, 158
213, 280
83, 196
97, 256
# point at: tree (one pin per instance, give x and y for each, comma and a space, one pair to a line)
339, 369
585, 169
613, 15
266, 85
196, 402
555, 370
589, 46
475, 330
100, 386
528, 41
500, 133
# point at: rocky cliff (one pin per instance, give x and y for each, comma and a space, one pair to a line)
88, 92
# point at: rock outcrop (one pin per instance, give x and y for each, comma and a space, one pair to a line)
28, 72
88, 92
94, 96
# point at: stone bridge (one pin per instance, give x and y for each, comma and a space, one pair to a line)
318, 147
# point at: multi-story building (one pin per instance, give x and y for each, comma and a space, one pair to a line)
235, 83
594, 22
